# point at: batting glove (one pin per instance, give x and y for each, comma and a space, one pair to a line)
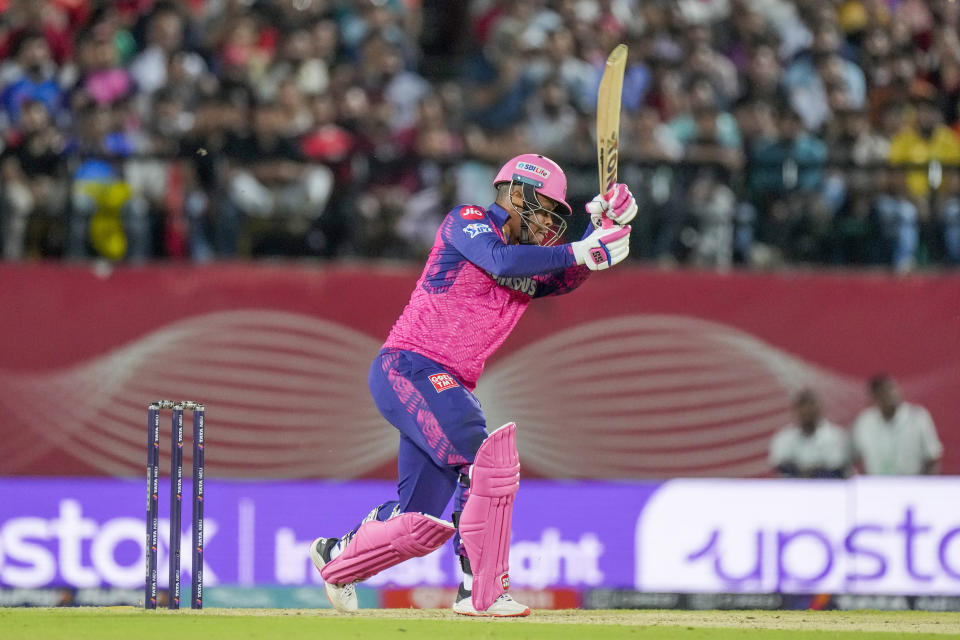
603, 248
620, 207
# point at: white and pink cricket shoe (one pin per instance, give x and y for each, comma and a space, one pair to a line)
342, 597
503, 607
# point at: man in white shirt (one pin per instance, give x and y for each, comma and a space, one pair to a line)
894, 437
811, 447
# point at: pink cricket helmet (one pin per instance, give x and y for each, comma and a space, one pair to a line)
541, 172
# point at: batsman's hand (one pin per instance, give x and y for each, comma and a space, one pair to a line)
603, 248
618, 205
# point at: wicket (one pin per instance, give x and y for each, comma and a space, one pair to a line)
176, 500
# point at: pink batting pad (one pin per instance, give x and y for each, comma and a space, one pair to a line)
488, 513
379, 545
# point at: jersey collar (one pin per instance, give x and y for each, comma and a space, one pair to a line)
498, 214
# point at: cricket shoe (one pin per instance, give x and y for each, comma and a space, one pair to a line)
502, 607
342, 597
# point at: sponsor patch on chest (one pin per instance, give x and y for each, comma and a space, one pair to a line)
475, 229
443, 381
471, 213
525, 285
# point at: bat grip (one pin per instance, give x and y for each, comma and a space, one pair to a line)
607, 223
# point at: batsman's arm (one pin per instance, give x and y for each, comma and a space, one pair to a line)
479, 243
557, 284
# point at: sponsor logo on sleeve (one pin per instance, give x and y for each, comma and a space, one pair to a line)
475, 229
443, 381
471, 213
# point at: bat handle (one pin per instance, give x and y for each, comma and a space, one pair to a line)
607, 223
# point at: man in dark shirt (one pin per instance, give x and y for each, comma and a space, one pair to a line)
32, 168
266, 178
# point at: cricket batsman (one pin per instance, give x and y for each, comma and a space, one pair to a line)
485, 267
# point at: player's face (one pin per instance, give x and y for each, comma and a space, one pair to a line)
532, 221
543, 216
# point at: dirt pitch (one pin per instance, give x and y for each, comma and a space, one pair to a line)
872, 621
126, 623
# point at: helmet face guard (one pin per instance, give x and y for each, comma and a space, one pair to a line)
530, 214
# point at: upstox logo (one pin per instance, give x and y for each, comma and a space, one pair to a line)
74, 549
870, 536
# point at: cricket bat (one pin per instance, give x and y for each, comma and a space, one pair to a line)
608, 119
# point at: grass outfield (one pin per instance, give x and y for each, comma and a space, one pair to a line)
128, 623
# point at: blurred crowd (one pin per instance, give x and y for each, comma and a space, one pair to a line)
754, 132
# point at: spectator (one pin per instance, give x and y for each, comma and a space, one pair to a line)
268, 180
164, 38
577, 75
897, 219
924, 140
551, 118
298, 63
499, 82
708, 133
437, 146
103, 80
710, 232
33, 78
106, 215
807, 79
381, 73
334, 146
894, 437
703, 60
47, 18
948, 217
33, 170
811, 447
786, 183
857, 142
762, 79
214, 119
854, 227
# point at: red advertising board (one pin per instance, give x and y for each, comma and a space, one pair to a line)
639, 373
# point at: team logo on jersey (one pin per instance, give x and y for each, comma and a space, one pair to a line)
475, 229
443, 381
535, 169
471, 213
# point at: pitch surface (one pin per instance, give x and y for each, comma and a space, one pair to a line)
118, 623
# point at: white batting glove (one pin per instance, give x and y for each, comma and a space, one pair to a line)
620, 207
603, 248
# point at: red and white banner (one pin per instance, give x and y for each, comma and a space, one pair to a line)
639, 373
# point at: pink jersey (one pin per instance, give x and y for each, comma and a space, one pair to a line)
474, 289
